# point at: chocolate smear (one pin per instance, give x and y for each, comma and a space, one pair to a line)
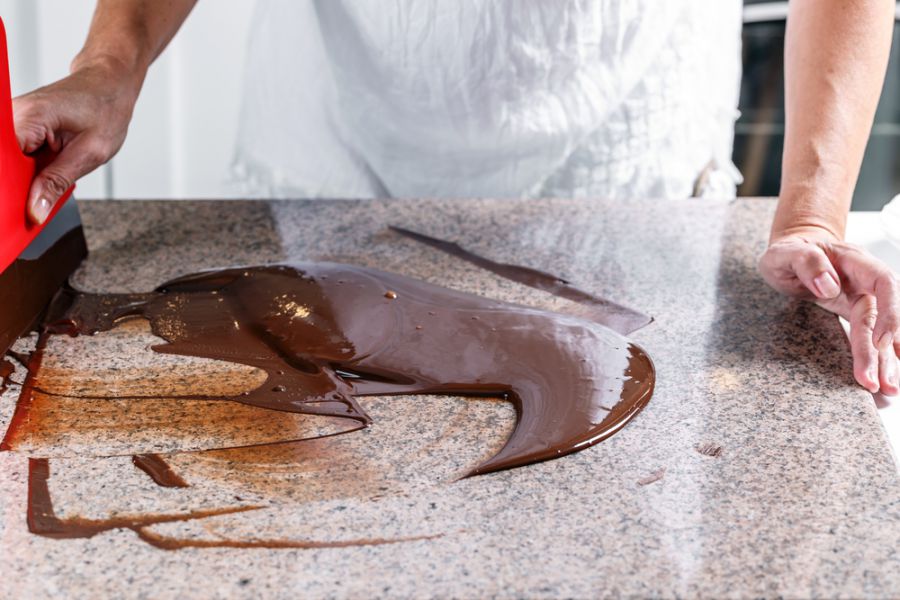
615, 316
43, 521
159, 470
327, 333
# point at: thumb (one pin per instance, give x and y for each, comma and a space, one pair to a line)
815, 271
56, 177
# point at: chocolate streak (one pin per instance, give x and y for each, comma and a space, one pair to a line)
325, 333
42, 520
26, 394
159, 470
615, 316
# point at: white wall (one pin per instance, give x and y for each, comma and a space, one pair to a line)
181, 140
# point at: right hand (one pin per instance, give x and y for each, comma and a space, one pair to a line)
81, 120
814, 264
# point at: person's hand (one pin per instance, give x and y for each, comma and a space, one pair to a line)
80, 120
812, 263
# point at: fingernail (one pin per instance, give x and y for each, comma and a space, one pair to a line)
40, 210
827, 286
872, 376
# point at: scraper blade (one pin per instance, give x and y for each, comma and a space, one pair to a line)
34, 260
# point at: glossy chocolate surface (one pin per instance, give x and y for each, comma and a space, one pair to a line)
326, 333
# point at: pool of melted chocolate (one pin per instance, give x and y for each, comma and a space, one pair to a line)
326, 333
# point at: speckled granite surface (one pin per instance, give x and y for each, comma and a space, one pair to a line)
758, 468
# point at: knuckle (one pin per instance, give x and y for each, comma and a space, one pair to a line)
868, 318
95, 153
28, 107
56, 182
815, 261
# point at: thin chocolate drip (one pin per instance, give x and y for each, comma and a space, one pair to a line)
26, 394
19, 357
42, 520
325, 333
169, 543
615, 316
159, 470
6, 372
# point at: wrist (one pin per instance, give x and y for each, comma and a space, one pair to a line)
123, 62
808, 214
808, 232
125, 74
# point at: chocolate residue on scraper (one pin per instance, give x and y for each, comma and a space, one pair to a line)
615, 316
326, 333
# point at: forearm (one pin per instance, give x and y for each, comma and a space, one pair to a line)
128, 35
836, 54
82, 119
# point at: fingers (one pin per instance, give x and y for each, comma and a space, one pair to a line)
814, 269
887, 369
76, 159
34, 131
797, 267
865, 356
886, 295
870, 276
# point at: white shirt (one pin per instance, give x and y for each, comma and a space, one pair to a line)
490, 98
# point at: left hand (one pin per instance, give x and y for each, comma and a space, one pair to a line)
813, 264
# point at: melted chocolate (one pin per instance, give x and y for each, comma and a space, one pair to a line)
159, 470
26, 395
6, 372
29, 283
42, 520
19, 357
325, 333
615, 316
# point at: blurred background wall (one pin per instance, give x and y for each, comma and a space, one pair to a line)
181, 140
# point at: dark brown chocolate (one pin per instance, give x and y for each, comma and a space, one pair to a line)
159, 470
26, 394
619, 318
28, 284
6, 372
325, 333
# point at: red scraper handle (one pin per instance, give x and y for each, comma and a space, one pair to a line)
17, 170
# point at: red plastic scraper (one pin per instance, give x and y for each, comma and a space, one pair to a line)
34, 260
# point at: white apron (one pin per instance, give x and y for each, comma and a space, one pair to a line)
490, 98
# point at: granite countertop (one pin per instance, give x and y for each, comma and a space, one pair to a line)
757, 469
